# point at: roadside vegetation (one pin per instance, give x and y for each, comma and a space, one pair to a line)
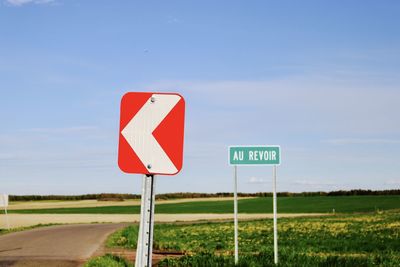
108, 261
309, 204
106, 196
4, 231
341, 240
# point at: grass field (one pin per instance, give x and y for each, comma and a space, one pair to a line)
108, 261
52, 204
320, 204
341, 240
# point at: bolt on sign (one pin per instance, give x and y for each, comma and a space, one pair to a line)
151, 133
254, 155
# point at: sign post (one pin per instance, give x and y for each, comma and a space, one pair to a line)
275, 217
150, 143
4, 204
255, 156
145, 239
235, 200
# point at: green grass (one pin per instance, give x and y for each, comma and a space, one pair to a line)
342, 240
288, 259
126, 237
108, 261
318, 204
88, 210
4, 231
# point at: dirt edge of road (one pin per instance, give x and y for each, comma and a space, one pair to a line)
130, 254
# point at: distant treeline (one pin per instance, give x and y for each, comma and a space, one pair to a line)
354, 192
103, 196
121, 197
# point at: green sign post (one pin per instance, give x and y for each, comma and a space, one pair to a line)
253, 156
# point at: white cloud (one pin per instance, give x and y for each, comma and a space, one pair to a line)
23, 2
258, 180
4, 156
312, 185
310, 182
299, 105
349, 141
172, 19
64, 130
393, 182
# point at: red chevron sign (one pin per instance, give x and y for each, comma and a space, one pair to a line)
151, 133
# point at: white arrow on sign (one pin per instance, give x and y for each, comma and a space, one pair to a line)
139, 133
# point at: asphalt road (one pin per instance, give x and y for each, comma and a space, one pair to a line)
67, 245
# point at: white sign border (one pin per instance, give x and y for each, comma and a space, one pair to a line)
254, 165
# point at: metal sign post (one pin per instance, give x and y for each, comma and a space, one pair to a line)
236, 216
275, 216
256, 156
145, 239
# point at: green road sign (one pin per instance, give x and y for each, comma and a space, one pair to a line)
254, 155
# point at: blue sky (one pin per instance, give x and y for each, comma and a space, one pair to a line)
319, 78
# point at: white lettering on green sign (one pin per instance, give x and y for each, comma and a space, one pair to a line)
254, 155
